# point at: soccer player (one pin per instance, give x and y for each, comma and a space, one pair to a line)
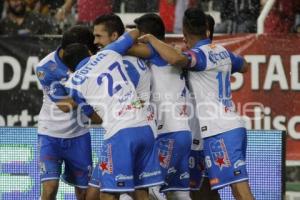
61, 137
169, 95
107, 29
126, 162
210, 67
199, 182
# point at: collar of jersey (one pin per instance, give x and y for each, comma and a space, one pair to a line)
59, 61
82, 63
202, 42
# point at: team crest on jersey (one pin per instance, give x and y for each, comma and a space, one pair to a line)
183, 110
220, 154
41, 75
106, 163
166, 147
212, 45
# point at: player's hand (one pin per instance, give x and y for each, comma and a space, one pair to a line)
146, 38
60, 15
177, 47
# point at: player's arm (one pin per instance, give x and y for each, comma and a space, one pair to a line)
167, 52
124, 42
140, 50
239, 64
54, 88
59, 96
95, 118
88, 110
66, 105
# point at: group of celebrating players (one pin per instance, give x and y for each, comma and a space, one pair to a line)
168, 116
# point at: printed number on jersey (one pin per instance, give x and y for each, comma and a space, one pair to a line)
112, 88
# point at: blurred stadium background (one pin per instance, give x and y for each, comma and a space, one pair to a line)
266, 32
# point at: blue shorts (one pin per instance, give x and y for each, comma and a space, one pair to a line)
225, 158
128, 161
75, 153
173, 152
197, 169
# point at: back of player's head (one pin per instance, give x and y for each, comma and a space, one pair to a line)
210, 25
151, 23
112, 23
79, 34
194, 21
73, 54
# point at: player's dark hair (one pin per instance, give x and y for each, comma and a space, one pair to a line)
210, 26
79, 34
73, 54
194, 21
151, 23
112, 23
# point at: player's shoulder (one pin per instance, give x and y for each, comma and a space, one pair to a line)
130, 58
46, 59
47, 69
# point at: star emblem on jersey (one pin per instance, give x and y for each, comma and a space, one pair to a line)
165, 152
219, 153
106, 162
161, 159
220, 161
103, 166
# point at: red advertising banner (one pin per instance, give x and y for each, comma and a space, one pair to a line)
268, 95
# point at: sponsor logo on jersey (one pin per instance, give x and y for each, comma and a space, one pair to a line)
132, 106
121, 177
149, 174
239, 163
166, 147
237, 172
106, 163
204, 128
81, 75
172, 170
219, 153
216, 57
121, 184
214, 181
184, 175
212, 45
196, 142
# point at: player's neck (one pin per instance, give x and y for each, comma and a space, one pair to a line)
196, 38
60, 53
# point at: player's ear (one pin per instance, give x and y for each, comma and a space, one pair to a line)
207, 33
115, 36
